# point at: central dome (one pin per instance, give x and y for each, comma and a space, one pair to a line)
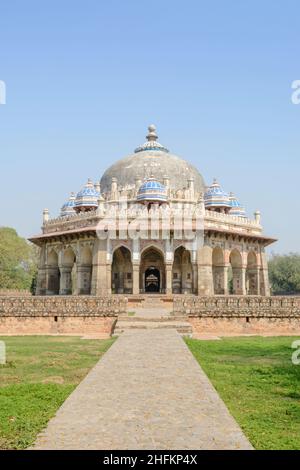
152, 159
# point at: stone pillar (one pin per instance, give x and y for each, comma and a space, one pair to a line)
195, 278
84, 280
264, 276
135, 279
258, 280
225, 279
41, 282
100, 273
108, 278
65, 280
205, 274
168, 279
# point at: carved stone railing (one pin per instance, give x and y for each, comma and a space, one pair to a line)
237, 306
72, 222
225, 221
212, 220
63, 306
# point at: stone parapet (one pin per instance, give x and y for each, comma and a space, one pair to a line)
237, 306
15, 293
62, 306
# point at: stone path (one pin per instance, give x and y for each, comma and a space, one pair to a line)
147, 392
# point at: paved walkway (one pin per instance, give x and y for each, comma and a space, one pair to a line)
152, 312
147, 392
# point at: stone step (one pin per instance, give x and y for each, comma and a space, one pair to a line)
184, 328
149, 318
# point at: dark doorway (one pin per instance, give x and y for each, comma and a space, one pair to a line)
152, 280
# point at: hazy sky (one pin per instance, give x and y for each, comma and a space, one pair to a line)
84, 80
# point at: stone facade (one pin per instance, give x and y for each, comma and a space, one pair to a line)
154, 227
222, 259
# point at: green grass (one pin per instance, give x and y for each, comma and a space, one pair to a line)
259, 384
40, 373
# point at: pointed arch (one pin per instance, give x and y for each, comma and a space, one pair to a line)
68, 272
152, 270
252, 274
235, 279
52, 273
182, 271
84, 270
218, 268
121, 279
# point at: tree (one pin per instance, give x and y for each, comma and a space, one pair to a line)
284, 272
18, 260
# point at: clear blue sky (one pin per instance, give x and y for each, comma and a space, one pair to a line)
84, 79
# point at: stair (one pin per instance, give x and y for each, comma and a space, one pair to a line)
156, 301
148, 322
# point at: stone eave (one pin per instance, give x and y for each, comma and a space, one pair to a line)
38, 239
44, 236
254, 237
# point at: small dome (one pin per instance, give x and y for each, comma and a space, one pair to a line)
236, 207
152, 190
87, 198
215, 197
68, 207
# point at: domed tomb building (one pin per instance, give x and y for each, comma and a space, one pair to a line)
151, 225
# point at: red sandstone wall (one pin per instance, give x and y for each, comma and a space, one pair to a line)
77, 326
239, 326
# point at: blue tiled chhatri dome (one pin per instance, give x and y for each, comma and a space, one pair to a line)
236, 207
87, 198
215, 197
68, 207
152, 190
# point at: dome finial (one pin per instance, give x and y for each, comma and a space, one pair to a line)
152, 136
151, 143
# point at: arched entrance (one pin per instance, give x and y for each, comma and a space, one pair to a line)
68, 273
236, 281
152, 280
152, 271
121, 281
53, 274
252, 274
182, 272
84, 271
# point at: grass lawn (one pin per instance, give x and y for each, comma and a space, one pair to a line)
259, 384
40, 373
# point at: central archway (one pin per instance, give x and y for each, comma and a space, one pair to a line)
152, 271
152, 280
